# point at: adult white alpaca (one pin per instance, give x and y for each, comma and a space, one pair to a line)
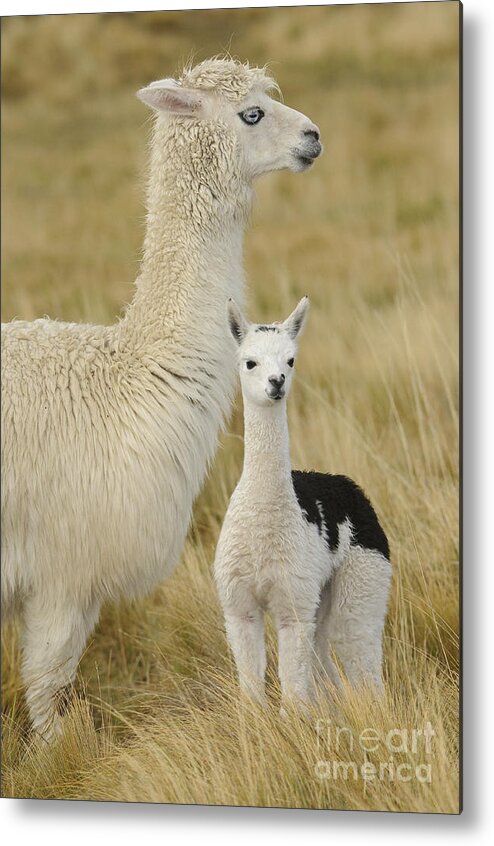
308, 547
107, 430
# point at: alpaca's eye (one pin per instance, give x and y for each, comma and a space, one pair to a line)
252, 116
291, 362
250, 365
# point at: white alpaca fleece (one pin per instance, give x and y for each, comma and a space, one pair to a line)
307, 547
108, 430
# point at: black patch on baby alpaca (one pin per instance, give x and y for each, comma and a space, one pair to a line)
339, 499
267, 329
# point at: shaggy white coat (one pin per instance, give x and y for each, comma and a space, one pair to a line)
270, 558
107, 431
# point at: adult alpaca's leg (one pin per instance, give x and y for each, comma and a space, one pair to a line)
356, 615
245, 635
53, 639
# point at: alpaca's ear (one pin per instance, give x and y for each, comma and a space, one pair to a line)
294, 323
167, 95
236, 321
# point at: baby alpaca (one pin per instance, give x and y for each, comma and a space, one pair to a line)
305, 546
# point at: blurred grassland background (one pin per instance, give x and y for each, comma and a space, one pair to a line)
371, 234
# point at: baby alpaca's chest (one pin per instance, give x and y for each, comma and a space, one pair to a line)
271, 557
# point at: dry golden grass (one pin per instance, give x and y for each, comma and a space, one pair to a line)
371, 234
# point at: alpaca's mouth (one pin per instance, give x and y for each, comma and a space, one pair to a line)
307, 156
305, 161
277, 395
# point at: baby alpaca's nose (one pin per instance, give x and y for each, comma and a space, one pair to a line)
276, 381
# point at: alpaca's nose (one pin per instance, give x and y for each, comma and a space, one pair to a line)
276, 381
313, 132
312, 145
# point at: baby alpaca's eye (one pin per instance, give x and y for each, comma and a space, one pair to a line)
251, 116
250, 365
291, 362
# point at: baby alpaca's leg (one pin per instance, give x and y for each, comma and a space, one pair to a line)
295, 659
245, 633
324, 667
359, 597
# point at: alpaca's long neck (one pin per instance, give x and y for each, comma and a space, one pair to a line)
192, 261
267, 462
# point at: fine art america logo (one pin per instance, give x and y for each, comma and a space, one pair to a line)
397, 755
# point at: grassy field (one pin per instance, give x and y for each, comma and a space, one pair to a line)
371, 234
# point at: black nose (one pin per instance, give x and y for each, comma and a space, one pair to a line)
275, 382
313, 133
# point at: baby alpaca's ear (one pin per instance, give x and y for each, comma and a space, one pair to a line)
167, 95
236, 321
294, 323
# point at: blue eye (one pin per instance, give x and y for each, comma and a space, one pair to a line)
250, 365
252, 115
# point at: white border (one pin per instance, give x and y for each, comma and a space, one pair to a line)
76, 823
45, 7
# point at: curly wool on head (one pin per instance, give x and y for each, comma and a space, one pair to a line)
229, 77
